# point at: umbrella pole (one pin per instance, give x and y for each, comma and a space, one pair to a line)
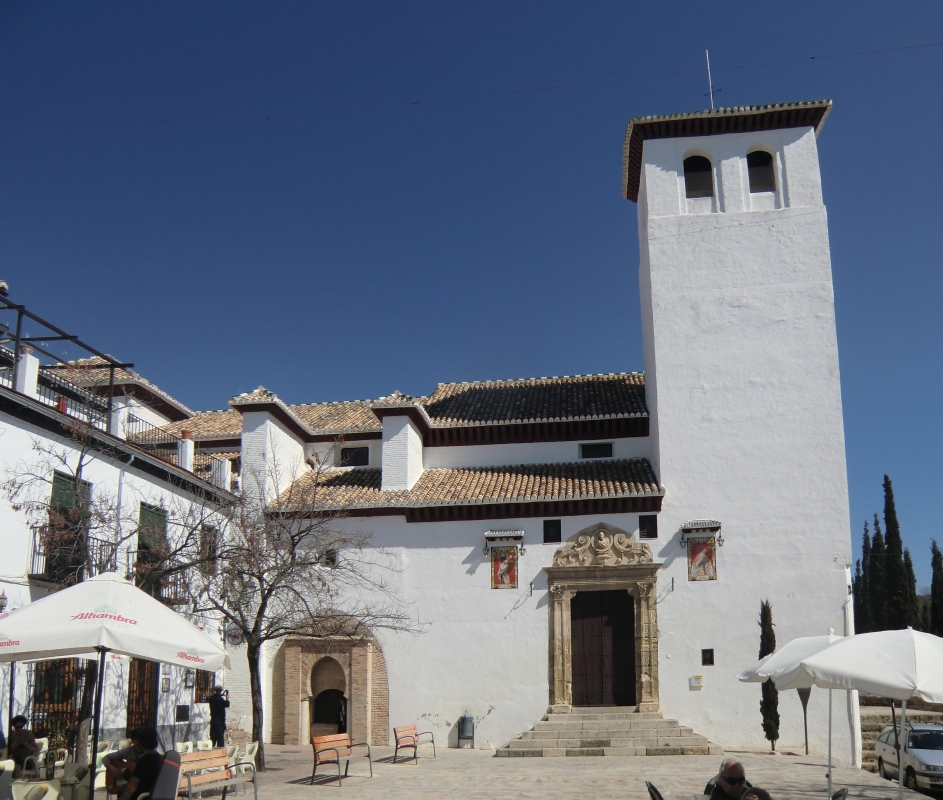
98, 716
12, 684
829, 742
900, 760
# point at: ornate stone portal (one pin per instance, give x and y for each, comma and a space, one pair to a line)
601, 558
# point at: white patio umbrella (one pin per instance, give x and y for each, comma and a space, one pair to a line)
897, 664
787, 660
101, 615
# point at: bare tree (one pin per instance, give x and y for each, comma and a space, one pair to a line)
292, 565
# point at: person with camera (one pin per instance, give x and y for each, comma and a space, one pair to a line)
218, 702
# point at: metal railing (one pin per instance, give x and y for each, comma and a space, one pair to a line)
151, 439
149, 574
70, 559
72, 400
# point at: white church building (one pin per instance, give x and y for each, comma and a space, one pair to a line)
606, 540
601, 542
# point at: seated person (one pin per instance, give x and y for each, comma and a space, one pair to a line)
729, 782
120, 764
22, 745
147, 768
754, 793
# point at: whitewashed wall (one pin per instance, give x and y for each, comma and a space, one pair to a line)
107, 476
743, 386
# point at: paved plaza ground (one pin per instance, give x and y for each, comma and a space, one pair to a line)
474, 774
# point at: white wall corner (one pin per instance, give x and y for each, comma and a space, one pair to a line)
402, 453
272, 456
27, 372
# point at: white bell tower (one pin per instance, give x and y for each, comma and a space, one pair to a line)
742, 383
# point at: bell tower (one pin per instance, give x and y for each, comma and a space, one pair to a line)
742, 384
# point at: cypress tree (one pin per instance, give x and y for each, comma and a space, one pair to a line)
877, 597
769, 704
912, 605
936, 590
898, 609
861, 591
858, 605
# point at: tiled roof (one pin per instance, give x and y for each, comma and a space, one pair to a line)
95, 373
360, 488
225, 424
349, 417
202, 461
537, 400
580, 397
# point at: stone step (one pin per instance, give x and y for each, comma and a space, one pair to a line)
681, 741
606, 710
576, 752
628, 715
605, 733
609, 724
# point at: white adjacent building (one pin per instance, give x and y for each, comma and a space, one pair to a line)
600, 540
98, 482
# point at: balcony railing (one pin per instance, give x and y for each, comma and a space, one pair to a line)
171, 589
70, 560
151, 439
72, 400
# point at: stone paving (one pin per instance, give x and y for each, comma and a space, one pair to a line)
474, 774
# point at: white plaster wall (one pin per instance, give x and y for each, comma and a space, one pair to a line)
272, 456
329, 453
112, 479
495, 455
483, 651
742, 377
402, 453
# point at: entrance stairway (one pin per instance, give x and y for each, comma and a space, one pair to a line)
608, 731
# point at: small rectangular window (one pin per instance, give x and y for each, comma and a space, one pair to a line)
183, 714
596, 450
647, 526
553, 531
707, 657
203, 686
355, 456
760, 170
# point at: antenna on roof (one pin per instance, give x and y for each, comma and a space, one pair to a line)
710, 84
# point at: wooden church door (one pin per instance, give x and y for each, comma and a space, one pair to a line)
602, 626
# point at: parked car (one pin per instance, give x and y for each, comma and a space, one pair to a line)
921, 751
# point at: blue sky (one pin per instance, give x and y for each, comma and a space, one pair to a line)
339, 200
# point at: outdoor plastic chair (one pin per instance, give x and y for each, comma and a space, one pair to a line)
6, 780
252, 749
123, 743
653, 792
183, 747
79, 772
43, 790
204, 745
231, 751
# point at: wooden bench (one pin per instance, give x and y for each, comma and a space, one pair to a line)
208, 770
407, 737
334, 749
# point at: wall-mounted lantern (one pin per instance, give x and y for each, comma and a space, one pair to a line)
699, 528
504, 538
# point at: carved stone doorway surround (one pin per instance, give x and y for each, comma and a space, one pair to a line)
600, 558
